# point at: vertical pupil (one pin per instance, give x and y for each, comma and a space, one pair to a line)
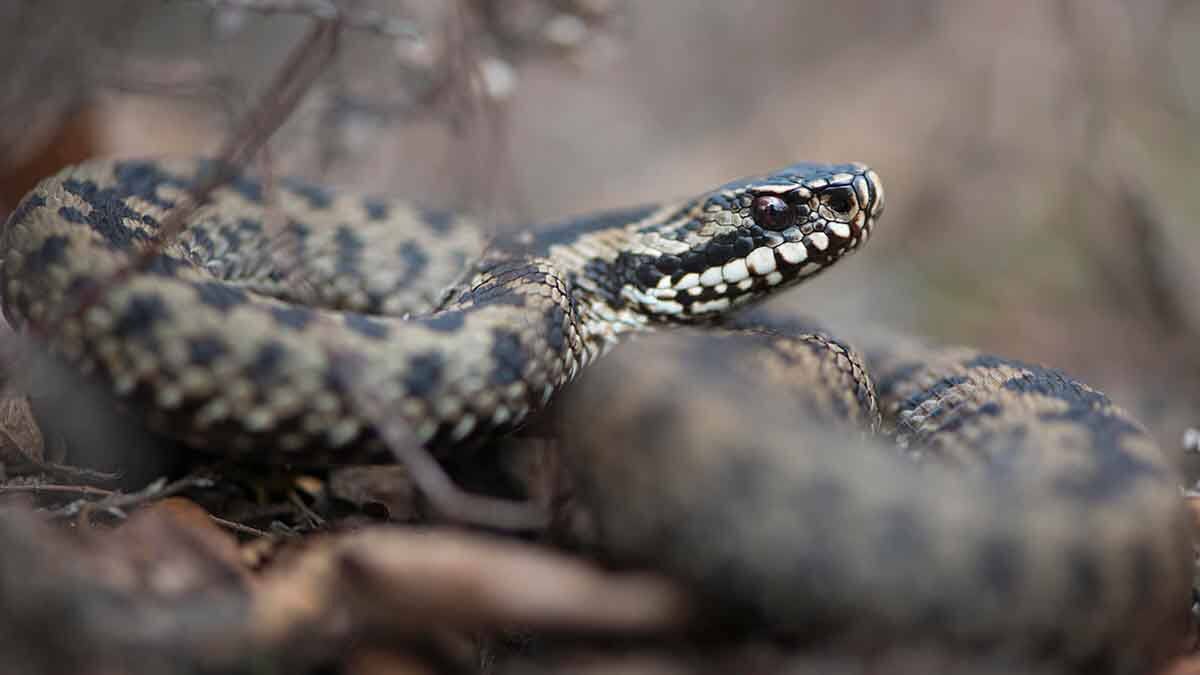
772, 212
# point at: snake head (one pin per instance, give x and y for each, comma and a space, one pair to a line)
749, 238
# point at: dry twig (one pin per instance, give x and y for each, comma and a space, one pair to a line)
327, 10
297, 75
86, 605
447, 499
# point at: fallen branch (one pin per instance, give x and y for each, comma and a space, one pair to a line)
167, 593
326, 10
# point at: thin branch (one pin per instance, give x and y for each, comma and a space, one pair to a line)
64, 471
314, 519
447, 499
1152, 252
307, 60
238, 527
116, 502
55, 488
326, 10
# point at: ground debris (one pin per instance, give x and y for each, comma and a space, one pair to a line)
170, 592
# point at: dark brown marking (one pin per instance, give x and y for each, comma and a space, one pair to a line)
142, 180
349, 251
219, 296
108, 215
936, 391
446, 322
52, 252
267, 360
376, 209
424, 374
165, 266
143, 311
293, 316
510, 356
317, 196
415, 261
366, 326
203, 350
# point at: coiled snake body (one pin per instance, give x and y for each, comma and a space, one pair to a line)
247, 333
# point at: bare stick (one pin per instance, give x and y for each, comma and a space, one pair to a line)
296, 76
326, 10
115, 502
427, 474
240, 528
49, 488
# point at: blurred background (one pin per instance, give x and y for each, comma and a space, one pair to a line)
1042, 157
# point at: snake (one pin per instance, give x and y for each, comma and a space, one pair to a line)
1014, 510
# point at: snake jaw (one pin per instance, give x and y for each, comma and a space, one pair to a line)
748, 239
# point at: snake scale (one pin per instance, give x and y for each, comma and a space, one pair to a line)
1025, 517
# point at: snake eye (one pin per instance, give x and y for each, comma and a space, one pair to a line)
840, 200
773, 213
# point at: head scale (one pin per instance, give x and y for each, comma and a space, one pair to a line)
749, 238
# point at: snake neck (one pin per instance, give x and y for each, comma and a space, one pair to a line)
586, 253
590, 266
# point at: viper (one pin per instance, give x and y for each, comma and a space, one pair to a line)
1013, 508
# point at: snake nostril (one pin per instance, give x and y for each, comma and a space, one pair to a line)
840, 200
